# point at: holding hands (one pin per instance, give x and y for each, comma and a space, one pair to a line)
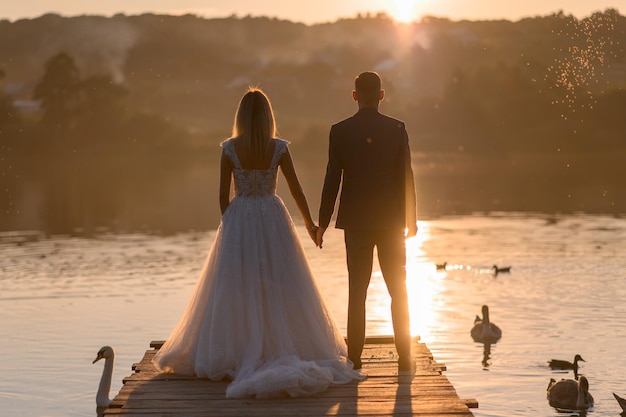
316, 233
312, 230
319, 238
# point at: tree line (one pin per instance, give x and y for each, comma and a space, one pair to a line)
538, 103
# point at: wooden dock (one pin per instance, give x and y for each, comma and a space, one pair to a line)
427, 393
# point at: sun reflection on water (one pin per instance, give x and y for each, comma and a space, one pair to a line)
423, 285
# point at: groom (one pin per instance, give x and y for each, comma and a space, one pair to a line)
369, 156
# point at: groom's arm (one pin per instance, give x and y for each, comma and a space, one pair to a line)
332, 181
410, 194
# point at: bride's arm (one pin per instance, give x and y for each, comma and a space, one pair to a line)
289, 171
226, 170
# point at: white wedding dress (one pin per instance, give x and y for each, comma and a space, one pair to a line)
256, 315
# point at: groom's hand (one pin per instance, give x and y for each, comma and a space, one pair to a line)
319, 238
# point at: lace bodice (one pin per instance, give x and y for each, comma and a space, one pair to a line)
255, 182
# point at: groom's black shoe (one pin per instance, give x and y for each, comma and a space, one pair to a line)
356, 363
406, 364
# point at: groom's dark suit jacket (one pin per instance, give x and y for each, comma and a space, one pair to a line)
369, 156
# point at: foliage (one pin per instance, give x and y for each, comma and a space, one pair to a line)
539, 98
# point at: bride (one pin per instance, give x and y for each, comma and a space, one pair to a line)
256, 315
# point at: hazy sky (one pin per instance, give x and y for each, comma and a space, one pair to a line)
313, 11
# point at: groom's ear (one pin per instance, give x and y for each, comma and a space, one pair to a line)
382, 95
355, 96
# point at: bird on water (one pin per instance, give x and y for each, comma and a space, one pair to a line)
566, 365
569, 394
621, 401
102, 396
484, 330
500, 269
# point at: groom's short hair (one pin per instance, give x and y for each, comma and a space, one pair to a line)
368, 86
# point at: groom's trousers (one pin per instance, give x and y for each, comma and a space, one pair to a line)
392, 259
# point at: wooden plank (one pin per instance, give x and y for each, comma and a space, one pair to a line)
385, 392
299, 406
439, 387
210, 413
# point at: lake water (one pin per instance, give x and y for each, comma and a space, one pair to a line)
62, 298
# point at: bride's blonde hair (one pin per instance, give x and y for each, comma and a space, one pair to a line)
254, 122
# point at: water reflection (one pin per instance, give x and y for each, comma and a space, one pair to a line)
82, 197
60, 289
486, 356
423, 289
422, 285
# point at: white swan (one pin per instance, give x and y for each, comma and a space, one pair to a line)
102, 397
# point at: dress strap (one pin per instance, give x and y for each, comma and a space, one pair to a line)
279, 150
229, 149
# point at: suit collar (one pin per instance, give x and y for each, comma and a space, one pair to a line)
367, 110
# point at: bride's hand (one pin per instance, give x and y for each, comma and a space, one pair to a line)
312, 233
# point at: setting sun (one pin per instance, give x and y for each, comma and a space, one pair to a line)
404, 10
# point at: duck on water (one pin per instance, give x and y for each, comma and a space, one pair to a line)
559, 364
500, 269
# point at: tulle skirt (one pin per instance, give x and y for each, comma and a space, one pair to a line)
256, 315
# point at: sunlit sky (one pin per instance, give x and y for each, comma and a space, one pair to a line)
315, 11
